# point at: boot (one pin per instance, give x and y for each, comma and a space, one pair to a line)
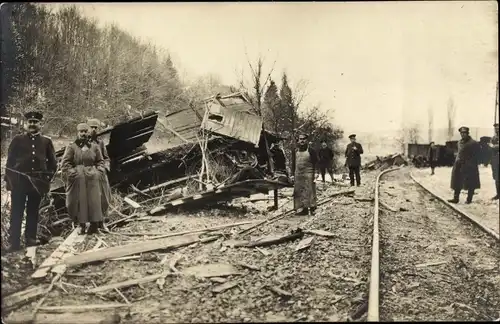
83, 229
455, 197
94, 226
312, 210
470, 194
303, 212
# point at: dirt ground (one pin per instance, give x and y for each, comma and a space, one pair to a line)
482, 206
435, 266
326, 282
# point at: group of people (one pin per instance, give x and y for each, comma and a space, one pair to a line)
308, 162
31, 165
465, 172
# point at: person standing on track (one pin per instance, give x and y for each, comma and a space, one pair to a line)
325, 155
432, 156
31, 164
82, 165
495, 160
304, 190
465, 172
94, 125
353, 159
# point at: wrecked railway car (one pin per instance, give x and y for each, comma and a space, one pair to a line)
236, 142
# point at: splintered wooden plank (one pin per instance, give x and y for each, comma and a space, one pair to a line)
22, 296
61, 252
320, 233
130, 249
212, 270
128, 283
132, 203
80, 308
225, 286
305, 243
65, 318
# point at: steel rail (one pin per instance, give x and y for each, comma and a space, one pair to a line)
458, 210
373, 296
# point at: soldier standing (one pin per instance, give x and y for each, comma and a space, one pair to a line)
353, 159
103, 180
31, 164
325, 155
304, 190
495, 160
465, 172
432, 156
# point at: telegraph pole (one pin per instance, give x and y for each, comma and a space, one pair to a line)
496, 106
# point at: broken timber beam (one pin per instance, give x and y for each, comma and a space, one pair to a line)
22, 296
129, 283
165, 184
58, 254
132, 203
276, 240
65, 318
130, 249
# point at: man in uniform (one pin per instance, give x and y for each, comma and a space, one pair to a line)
432, 157
325, 156
31, 164
465, 172
353, 159
94, 125
495, 160
304, 190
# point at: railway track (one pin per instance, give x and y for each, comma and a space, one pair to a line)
430, 260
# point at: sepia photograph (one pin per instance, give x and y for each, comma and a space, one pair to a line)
239, 162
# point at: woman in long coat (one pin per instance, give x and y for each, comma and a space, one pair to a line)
304, 191
465, 172
82, 165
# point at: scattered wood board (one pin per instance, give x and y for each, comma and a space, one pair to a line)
60, 269
268, 241
279, 291
387, 206
320, 233
263, 251
128, 283
22, 296
58, 254
305, 243
430, 264
130, 249
65, 318
132, 203
225, 286
201, 230
80, 308
212, 270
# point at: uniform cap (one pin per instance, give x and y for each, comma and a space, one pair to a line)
352, 136
305, 136
94, 122
82, 126
34, 115
463, 129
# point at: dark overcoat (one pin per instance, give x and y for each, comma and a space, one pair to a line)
353, 157
103, 179
494, 157
325, 156
465, 172
31, 163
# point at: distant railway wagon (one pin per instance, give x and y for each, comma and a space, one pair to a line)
448, 152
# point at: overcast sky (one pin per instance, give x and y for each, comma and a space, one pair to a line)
376, 64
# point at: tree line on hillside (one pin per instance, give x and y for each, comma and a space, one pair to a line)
63, 64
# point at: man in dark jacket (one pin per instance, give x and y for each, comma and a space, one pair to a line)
353, 159
31, 164
495, 160
432, 156
325, 155
279, 159
465, 172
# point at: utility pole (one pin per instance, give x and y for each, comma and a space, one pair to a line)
496, 106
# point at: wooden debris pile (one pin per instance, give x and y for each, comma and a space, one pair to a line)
382, 163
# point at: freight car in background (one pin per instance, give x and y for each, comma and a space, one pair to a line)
446, 153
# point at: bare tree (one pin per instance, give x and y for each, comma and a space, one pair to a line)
430, 131
413, 133
452, 110
400, 138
